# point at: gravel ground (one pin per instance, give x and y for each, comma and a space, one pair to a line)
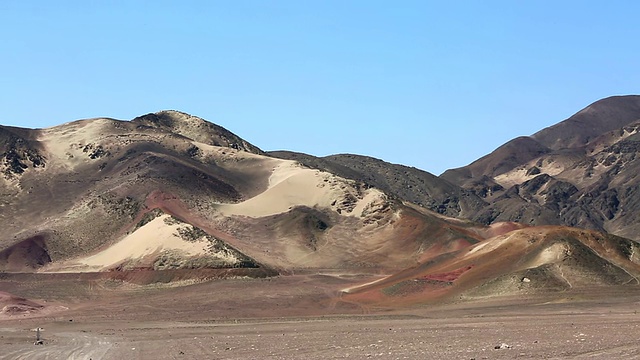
569, 331
299, 317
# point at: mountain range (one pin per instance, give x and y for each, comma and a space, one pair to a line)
169, 196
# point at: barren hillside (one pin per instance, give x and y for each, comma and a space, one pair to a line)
582, 172
169, 198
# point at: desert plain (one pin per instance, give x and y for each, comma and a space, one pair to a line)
302, 316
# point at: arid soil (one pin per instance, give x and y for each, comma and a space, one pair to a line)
299, 316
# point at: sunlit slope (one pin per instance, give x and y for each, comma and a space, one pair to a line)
581, 172
80, 196
521, 261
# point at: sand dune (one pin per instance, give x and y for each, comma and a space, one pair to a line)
67, 145
291, 185
151, 239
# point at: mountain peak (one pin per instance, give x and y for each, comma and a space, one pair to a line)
195, 128
594, 120
170, 119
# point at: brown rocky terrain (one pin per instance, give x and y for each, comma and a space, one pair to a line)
167, 220
168, 194
581, 172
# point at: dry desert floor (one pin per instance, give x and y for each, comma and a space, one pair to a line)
298, 317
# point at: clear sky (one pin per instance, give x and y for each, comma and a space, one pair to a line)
430, 84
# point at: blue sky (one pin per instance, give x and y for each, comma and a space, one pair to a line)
430, 84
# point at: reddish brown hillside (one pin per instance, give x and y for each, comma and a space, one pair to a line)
522, 261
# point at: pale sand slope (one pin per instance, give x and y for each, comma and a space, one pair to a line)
66, 142
152, 238
291, 185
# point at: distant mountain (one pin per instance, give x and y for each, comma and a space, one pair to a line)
597, 119
580, 172
504, 158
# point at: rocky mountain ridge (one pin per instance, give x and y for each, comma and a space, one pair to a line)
171, 196
581, 172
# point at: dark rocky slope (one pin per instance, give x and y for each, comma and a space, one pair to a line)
580, 172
